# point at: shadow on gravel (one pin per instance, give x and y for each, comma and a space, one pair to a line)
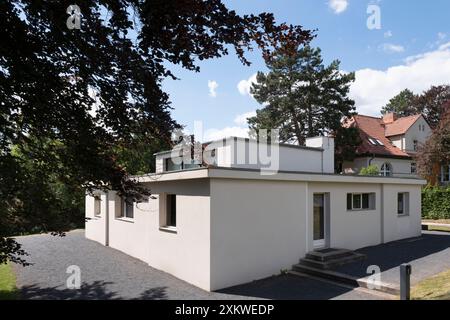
94, 291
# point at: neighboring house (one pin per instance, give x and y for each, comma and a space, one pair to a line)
234, 221
388, 142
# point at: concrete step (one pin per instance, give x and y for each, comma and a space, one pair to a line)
329, 254
332, 263
346, 279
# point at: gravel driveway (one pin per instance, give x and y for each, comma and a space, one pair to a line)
110, 274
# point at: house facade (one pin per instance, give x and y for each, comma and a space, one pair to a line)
389, 142
242, 217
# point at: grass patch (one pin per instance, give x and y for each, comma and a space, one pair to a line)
434, 288
8, 290
438, 228
443, 221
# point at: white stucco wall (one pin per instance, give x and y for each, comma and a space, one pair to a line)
257, 229
399, 227
96, 225
349, 229
185, 254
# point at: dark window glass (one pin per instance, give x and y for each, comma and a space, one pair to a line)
365, 201
171, 210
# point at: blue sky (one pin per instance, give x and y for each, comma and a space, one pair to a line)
412, 49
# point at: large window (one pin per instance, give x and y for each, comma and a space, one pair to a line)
386, 169
360, 201
127, 208
445, 173
403, 203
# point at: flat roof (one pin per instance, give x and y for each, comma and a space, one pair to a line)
256, 174
287, 145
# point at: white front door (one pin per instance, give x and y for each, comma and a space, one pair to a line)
319, 221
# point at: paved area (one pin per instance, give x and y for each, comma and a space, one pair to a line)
428, 255
109, 274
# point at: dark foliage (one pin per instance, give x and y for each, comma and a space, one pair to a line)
77, 104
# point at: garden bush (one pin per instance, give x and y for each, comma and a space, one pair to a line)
436, 203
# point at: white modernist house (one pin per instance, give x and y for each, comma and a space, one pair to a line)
232, 221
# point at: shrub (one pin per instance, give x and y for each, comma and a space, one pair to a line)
436, 203
371, 170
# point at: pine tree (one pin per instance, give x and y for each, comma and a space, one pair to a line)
301, 96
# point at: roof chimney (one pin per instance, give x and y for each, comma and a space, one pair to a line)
389, 117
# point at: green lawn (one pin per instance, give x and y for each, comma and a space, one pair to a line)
8, 290
434, 288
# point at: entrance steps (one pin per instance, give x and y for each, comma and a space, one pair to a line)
320, 264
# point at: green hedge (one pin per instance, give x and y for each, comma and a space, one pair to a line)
436, 203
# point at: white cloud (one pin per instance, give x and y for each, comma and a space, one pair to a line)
388, 34
245, 85
235, 131
392, 48
441, 36
372, 89
212, 85
241, 119
338, 6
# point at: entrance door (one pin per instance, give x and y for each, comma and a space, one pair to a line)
319, 221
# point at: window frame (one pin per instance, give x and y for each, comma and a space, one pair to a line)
167, 221
97, 205
413, 168
124, 213
405, 204
384, 171
371, 205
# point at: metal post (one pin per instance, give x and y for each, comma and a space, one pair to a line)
405, 273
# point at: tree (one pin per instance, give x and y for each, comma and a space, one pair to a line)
346, 142
371, 170
75, 103
436, 151
402, 104
301, 97
433, 103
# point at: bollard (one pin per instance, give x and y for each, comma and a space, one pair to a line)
405, 273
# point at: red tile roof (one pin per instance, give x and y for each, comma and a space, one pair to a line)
400, 126
371, 127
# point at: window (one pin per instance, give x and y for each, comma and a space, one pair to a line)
403, 203
97, 205
413, 168
168, 216
415, 145
127, 208
372, 141
360, 201
445, 173
380, 143
386, 170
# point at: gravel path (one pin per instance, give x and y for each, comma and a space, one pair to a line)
110, 274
